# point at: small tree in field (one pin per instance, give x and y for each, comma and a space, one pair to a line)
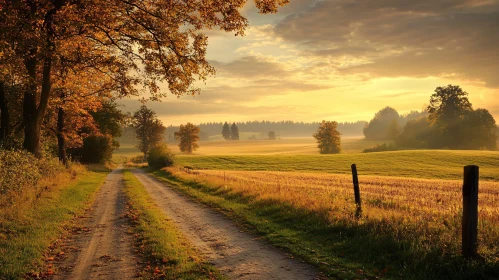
188, 136
328, 138
148, 128
272, 135
226, 131
234, 132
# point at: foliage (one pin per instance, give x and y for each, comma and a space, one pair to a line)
188, 136
160, 156
234, 132
328, 138
417, 134
272, 135
95, 149
148, 129
20, 170
384, 125
452, 123
126, 47
226, 131
380, 148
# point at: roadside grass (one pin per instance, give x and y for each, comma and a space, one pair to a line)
430, 164
170, 254
343, 247
34, 221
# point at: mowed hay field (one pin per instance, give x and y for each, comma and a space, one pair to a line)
409, 225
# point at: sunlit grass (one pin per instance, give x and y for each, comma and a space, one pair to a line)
170, 253
439, 164
34, 219
410, 227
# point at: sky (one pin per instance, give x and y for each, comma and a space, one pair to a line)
344, 60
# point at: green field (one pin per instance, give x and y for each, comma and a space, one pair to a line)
300, 154
437, 164
286, 146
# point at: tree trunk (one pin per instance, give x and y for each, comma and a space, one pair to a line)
4, 116
61, 140
31, 131
33, 115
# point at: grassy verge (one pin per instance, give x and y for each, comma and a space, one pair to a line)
436, 164
343, 248
24, 240
170, 254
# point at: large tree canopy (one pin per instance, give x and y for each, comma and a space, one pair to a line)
134, 45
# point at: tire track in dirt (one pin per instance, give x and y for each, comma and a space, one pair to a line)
103, 249
235, 253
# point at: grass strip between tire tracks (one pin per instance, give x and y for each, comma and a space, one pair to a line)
170, 255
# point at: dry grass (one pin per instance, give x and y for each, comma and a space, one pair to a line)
423, 212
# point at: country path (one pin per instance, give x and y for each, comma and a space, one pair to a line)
102, 248
237, 254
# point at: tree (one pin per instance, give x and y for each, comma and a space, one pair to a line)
188, 136
137, 44
272, 135
448, 107
234, 132
384, 125
328, 138
226, 131
479, 130
148, 129
448, 104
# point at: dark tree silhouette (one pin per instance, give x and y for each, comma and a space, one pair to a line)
234, 132
226, 131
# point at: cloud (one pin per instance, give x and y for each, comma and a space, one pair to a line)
251, 67
397, 38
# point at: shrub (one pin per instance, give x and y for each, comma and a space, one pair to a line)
20, 169
380, 148
95, 149
160, 156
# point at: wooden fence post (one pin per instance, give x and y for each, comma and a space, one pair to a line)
358, 212
470, 211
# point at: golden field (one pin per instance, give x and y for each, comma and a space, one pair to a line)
425, 212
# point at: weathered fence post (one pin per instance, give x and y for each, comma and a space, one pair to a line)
356, 190
470, 211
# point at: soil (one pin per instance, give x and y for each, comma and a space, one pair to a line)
102, 247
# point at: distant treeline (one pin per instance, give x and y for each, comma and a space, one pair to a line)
283, 128
449, 122
260, 129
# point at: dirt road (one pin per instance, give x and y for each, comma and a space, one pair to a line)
237, 254
102, 249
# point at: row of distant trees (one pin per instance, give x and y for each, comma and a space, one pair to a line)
449, 122
283, 128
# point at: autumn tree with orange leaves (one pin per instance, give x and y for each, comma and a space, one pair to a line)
136, 44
